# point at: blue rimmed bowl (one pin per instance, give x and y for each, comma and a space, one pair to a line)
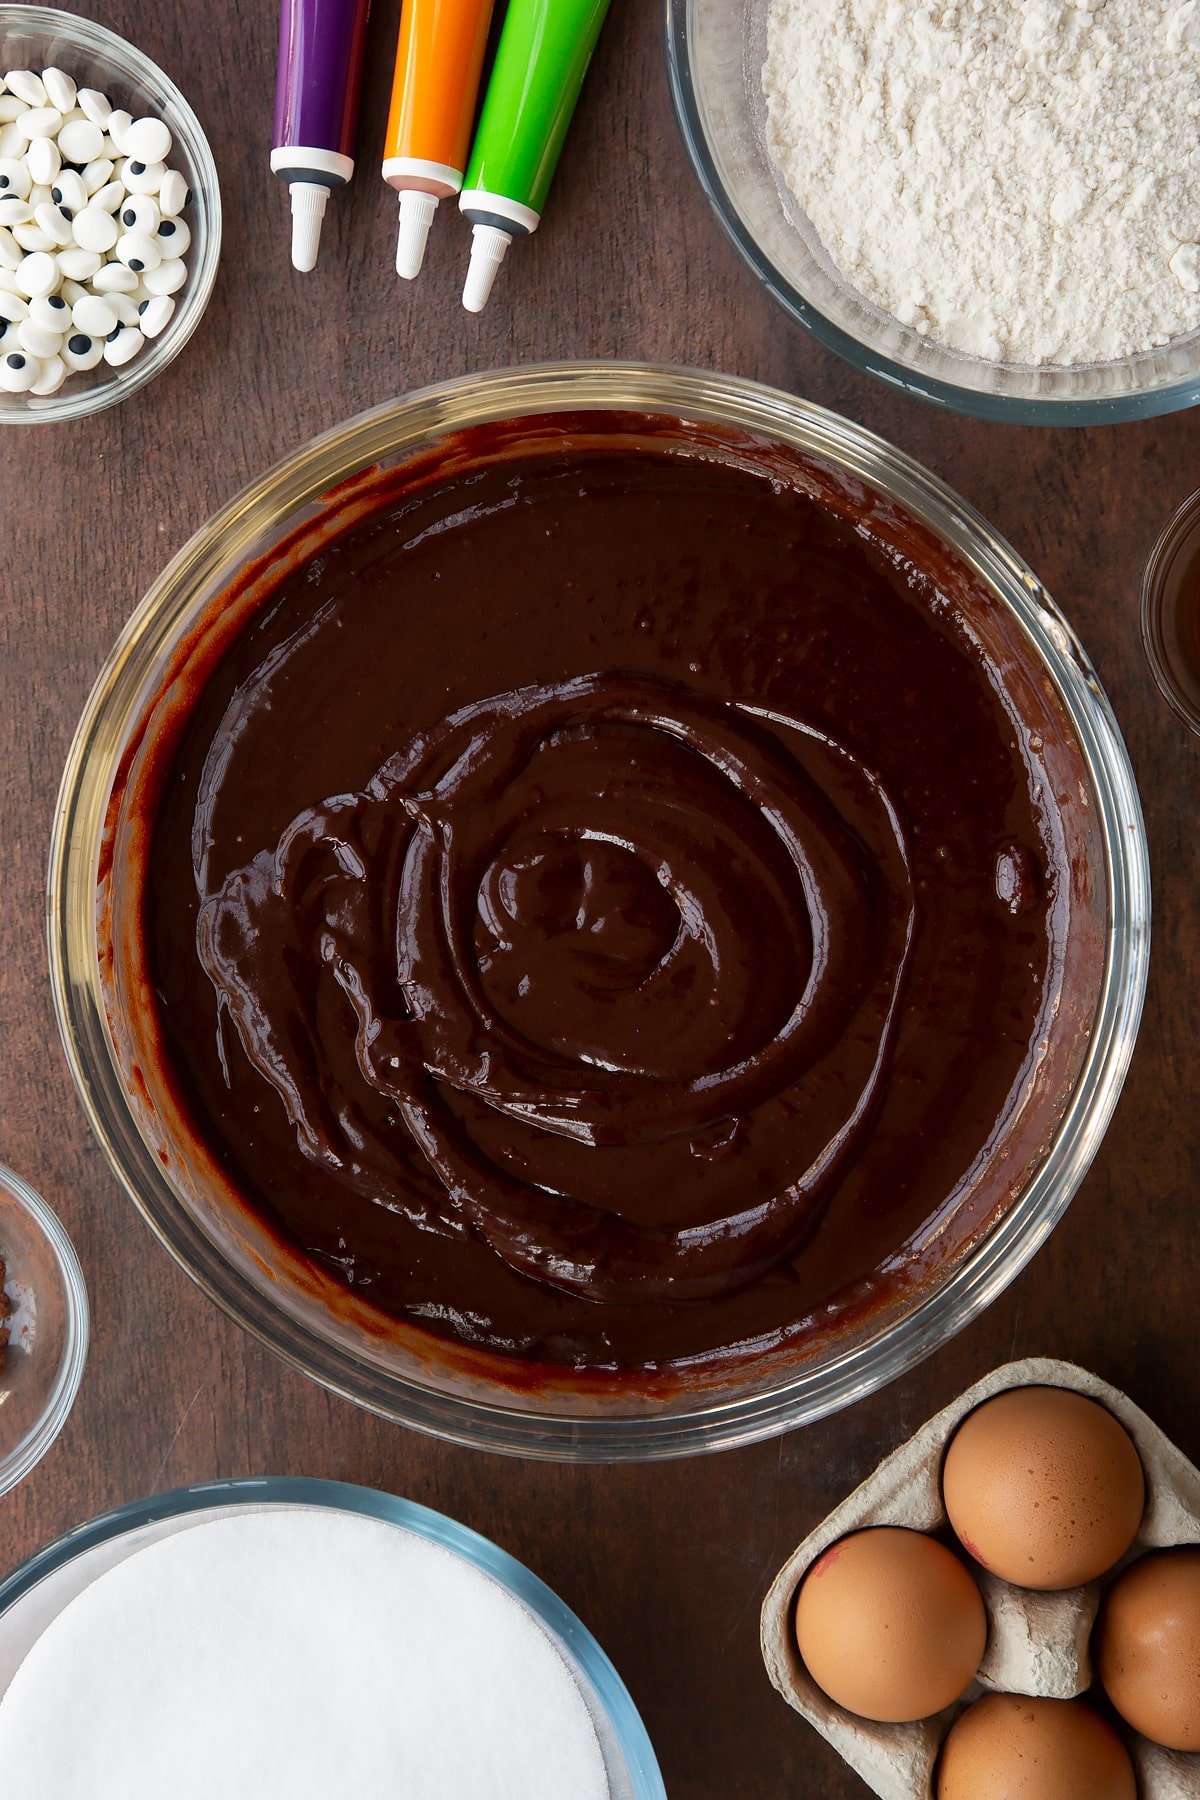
40, 1588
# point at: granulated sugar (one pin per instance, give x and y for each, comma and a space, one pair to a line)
1017, 179
297, 1654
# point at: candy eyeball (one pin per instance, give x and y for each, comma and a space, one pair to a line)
18, 371
174, 238
26, 86
155, 315
149, 141
50, 311
94, 314
94, 105
15, 178
59, 89
44, 159
173, 194
139, 213
38, 340
114, 278
92, 238
138, 252
117, 127
168, 278
95, 229
81, 352
141, 177
69, 192
122, 345
97, 174
39, 121
80, 141
38, 274
54, 373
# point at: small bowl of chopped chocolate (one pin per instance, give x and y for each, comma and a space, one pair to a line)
43, 1328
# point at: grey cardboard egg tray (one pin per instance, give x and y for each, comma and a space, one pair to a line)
1038, 1643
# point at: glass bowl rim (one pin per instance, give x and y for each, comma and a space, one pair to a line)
1002, 1251
1006, 408
435, 1527
82, 403
25, 1455
1184, 523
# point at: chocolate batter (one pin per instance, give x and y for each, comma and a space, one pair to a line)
601, 906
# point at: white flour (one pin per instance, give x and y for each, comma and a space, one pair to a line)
1019, 179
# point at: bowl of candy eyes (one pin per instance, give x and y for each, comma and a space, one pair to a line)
110, 217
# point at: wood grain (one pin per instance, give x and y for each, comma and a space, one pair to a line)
666, 1564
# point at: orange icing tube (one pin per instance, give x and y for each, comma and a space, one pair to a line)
439, 60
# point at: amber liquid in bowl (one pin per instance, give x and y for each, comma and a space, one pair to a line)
1171, 612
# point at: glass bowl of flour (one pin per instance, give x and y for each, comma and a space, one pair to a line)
996, 207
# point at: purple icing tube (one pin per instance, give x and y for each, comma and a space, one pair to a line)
321, 44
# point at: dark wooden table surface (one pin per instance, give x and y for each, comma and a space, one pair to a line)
667, 1565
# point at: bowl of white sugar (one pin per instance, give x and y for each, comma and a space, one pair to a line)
995, 206
287, 1639
110, 217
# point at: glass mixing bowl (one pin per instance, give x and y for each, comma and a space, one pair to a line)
40, 37
432, 1386
35, 1592
715, 55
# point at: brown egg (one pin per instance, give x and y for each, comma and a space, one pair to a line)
890, 1624
1043, 1487
1008, 1747
1148, 1652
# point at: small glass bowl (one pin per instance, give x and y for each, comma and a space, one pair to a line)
40, 37
1175, 556
715, 55
48, 1329
39, 1589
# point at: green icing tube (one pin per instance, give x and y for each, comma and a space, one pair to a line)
543, 56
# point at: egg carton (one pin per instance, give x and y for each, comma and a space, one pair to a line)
1038, 1643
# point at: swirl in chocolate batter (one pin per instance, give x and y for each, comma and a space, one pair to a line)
606, 900
616, 915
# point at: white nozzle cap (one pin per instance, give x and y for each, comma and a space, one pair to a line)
308, 209
416, 216
489, 247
